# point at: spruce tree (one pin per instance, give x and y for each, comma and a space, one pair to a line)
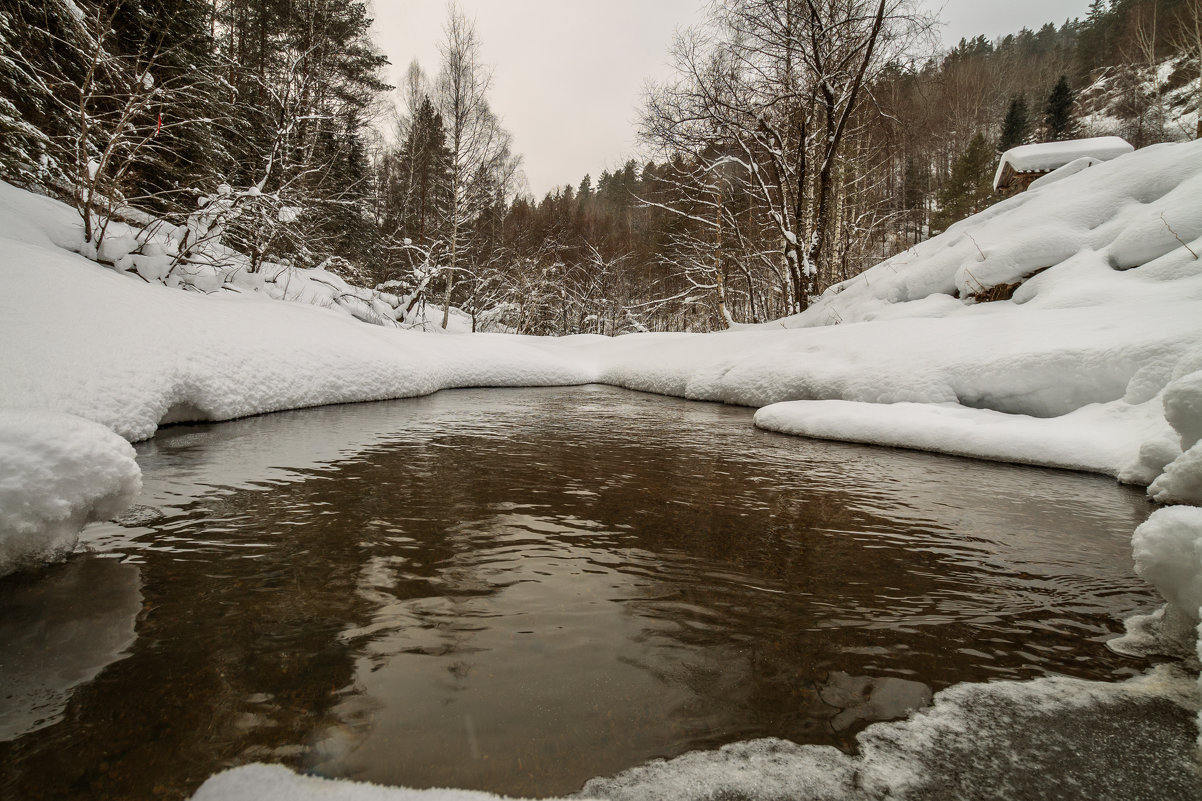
1016, 125
1058, 122
191, 120
419, 201
969, 189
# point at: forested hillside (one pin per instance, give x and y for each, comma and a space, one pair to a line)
796, 147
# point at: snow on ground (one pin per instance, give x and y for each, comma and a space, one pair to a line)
130, 355
57, 472
1080, 356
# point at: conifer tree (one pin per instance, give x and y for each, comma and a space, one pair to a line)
970, 187
1016, 126
1058, 122
420, 199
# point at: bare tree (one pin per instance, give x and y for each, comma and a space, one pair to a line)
1188, 40
115, 129
1144, 65
774, 84
480, 148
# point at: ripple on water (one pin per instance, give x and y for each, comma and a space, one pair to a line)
519, 590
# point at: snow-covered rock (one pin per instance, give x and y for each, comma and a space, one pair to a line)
1181, 480
57, 472
1168, 553
1183, 408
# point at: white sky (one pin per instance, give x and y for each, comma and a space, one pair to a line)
568, 75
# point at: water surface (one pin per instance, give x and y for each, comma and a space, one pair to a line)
517, 590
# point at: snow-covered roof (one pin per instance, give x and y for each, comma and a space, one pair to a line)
1048, 156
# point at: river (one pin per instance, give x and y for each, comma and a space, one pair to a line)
517, 590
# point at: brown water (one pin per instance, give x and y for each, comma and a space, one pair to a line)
517, 590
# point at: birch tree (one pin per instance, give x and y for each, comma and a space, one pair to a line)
774, 84
478, 147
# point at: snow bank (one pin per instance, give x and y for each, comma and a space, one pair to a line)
57, 472
1040, 739
133, 356
1087, 439
1138, 211
1107, 297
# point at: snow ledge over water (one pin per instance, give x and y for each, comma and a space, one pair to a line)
59, 473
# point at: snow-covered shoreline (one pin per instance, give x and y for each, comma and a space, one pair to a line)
1094, 364
1046, 738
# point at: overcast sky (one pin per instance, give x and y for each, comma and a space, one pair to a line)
568, 74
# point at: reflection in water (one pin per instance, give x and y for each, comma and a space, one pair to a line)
59, 630
519, 590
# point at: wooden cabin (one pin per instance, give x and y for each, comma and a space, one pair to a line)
1022, 166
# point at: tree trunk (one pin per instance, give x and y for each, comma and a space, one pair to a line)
446, 298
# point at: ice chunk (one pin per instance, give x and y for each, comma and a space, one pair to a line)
871, 698
1049, 738
1073, 441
